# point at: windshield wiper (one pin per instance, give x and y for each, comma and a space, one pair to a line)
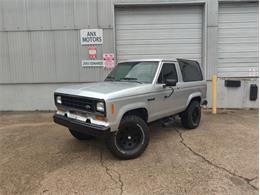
130, 79
110, 78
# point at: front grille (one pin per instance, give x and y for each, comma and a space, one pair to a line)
80, 103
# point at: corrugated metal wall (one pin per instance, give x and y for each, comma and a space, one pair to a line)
238, 40
40, 43
40, 48
159, 32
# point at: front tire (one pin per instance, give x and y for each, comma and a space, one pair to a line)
131, 139
80, 136
190, 119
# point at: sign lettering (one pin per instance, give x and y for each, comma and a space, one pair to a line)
89, 63
91, 36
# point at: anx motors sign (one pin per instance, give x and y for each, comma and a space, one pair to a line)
91, 36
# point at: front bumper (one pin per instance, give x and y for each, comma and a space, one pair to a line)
82, 127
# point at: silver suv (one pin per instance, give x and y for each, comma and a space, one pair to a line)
134, 94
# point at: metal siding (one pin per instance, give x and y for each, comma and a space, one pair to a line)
89, 73
55, 14
44, 40
1, 16
63, 18
27, 96
107, 47
38, 13
14, 15
225, 97
43, 56
159, 32
20, 57
4, 58
67, 55
105, 15
156, 2
237, 39
62, 14
85, 13
108, 41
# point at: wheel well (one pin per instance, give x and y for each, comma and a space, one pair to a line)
196, 99
141, 112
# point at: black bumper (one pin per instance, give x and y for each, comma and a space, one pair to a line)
82, 127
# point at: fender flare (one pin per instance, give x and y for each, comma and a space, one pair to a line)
129, 107
193, 95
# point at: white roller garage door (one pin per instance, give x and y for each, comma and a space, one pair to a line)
238, 40
159, 32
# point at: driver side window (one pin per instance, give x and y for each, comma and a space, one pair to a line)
168, 71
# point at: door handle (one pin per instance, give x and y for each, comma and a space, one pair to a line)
151, 99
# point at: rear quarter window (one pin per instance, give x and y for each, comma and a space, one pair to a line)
190, 70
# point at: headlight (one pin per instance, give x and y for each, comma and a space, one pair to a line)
58, 99
100, 107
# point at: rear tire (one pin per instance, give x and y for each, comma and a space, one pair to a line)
190, 119
80, 136
131, 139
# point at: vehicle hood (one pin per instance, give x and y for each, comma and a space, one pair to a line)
103, 90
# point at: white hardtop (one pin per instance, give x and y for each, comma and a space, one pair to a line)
149, 60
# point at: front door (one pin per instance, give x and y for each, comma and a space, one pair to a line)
167, 99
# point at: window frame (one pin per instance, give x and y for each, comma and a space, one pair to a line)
137, 61
193, 61
176, 70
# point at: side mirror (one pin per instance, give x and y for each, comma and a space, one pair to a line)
170, 82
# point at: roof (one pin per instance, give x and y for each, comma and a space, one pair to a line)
153, 60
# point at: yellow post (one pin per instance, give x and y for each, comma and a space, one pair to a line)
214, 94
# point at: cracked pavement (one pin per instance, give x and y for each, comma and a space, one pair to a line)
220, 157
247, 180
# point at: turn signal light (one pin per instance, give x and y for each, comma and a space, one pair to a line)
100, 118
113, 108
60, 109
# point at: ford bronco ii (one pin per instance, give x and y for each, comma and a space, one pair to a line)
134, 94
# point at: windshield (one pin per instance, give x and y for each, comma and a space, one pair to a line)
142, 72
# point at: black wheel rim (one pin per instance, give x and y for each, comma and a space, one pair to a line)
129, 138
195, 115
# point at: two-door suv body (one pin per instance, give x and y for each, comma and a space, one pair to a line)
134, 94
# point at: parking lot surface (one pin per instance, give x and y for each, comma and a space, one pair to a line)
220, 157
